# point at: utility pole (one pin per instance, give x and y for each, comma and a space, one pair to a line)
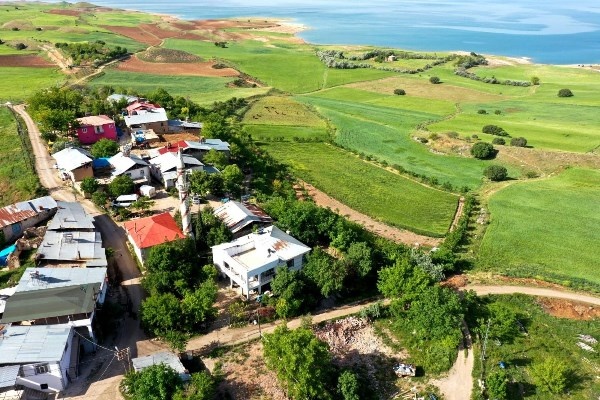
125, 356
258, 318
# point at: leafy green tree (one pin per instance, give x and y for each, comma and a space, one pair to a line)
210, 230
216, 158
233, 178
216, 126
172, 267
289, 287
348, 386
89, 185
199, 182
535, 80
497, 385
499, 141
161, 313
121, 185
551, 375
48, 136
301, 361
494, 130
198, 306
156, 382
327, 274
100, 199
565, 93
403, 283
482, 150
435, 80
201, 387
360, 258
518, 142
503, 323
104, 148
58, 146
495, 173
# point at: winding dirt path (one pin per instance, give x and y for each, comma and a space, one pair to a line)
376, 227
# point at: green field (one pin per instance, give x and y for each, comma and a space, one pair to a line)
547, 227
290, 67
18, 83
383, 195
547, 336
18, 181
203, 90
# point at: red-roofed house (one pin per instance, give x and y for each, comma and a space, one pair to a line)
145, 233
96, 127
173, 147
134, 107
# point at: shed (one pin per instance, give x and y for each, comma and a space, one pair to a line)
163, 357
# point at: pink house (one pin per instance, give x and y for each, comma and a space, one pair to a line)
137, 106
96, 127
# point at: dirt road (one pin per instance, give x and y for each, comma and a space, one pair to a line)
533, 291
458, 384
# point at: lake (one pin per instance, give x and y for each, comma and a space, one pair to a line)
555, 32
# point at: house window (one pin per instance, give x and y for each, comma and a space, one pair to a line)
84, 130
290, 263
42, 369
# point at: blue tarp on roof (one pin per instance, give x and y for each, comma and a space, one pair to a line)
5, 253
100, 163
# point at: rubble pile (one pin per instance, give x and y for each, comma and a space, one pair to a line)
32, 239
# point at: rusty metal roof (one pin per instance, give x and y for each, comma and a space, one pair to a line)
21, 211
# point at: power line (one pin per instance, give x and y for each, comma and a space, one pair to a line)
95, 343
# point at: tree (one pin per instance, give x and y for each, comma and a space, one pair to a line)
104, 148
348, 386
482, 150
233, 178
89, 185
494, 130
301, 361
156, 382
201, 387
121, 185
199, 182
360, 258
403, 283
99, 199
198, 306
435, 80
518, 142
327, 274
48, 136
161, 313
495, 173
535, 80
499, 141
551, 375
565, 93
142, 204
216, 158
289, 287
497, 385
58, 146
172, 267
399, 92
503, 323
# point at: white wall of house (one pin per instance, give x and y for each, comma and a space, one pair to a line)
140, 253
56, 372
138, 172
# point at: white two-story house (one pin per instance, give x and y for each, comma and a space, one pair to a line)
250, 262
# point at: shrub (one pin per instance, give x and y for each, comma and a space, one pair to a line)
20, 46
499, 140
452, 135
15, 28
494, 130
497, 112
474, 136
495, 173
482, 150
400, 92
89, 185
435, 80
518, 142
565, 93
481, 111
535, 80
531, 174
48, 136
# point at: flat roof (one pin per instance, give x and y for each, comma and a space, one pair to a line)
70, 215
163, 357
8, 375
32, 344
75, 246
48, 278
95, 120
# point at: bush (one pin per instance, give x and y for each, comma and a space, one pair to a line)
481, 111
494, 130
400, 92
452, 135
89, 185
20, 46
48, 136
435, 80
104, 148
495, 173
565, 93
499, 140
518, 142
535, 80
497, 112
121, 185
482, 150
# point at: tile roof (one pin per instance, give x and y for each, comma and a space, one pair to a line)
32, 344
25, 209
173, 147
95, 120
71, 158
70, 215
141, 105
51, 302
154, 230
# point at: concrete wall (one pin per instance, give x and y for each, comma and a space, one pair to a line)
91, 134
82, 172
137, 173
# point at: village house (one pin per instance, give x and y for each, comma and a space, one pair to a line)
196, 149
177, 126
242, 218
145, 233
164, 167
139, 106
47, 356
93, 128
132, 166
153, 118
47, 296
250, 262
71, 216
76, 163
15, 218
163, 357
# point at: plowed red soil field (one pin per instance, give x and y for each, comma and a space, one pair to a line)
134, 64
25, 60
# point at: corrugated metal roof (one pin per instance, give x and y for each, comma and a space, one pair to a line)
25, 209
118, 97
168, 161
51, 302
163, 357
185, 124
48, 278
73, 246
122, 163
71, 216
8, 375
209, 144
4, 295
147, 117
71, 158
31, 344
237, 215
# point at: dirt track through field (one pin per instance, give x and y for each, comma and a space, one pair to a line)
376, 227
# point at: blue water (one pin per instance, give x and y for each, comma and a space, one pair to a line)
551, 31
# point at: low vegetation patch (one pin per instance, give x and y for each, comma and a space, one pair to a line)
161, 55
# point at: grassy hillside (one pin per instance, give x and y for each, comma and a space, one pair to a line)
546, 227
374, 191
